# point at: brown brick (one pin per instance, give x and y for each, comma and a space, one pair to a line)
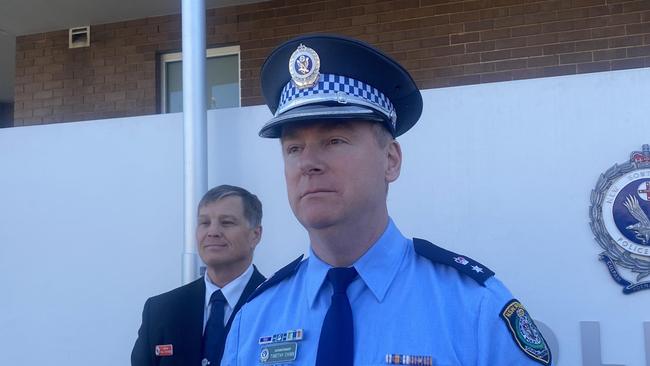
510, 43
527, 51
434, 20
448, 8
509, 21
496, 77
465, 17
448, 50
575, 58
562, 26
574, 35
542, 39
104, 106
555, 49
581, 3
594, 67
479, 26
527, 74
464, 37
49, 85
480, 46
543, 61
33, 54
401, 25
506, 2
540, 17
113, 96
443, 30
479, 68
630, 63
62, 92
590, 23
448, 71
43, 77
465, 58
626, 41
94, 98
636, 6
495, 55
489, 35
40, 112
435, 41
624, 19
465, 80
597, 11
33, 104
83, 108
637, 28
597, 44
494, 13
559, 70
510, 64
43, 94
611, 54
52, 102
638, 51
405, 45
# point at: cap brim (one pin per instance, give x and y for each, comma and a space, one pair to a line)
320, 113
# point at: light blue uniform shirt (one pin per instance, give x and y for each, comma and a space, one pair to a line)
402, 303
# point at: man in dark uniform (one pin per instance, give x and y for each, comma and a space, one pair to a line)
366, 295
188, 325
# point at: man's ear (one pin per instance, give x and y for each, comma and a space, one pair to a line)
394, 159
257, 236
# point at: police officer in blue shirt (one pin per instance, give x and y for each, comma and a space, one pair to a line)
366, 295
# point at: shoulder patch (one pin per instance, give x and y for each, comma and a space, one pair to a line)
525, 333
280, 275
464, 265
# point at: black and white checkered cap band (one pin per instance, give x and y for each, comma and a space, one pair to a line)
336, 88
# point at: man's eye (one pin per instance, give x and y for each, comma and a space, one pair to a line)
293, 149
227, 223
336, 141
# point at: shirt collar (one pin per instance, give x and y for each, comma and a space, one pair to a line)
232, 291
377, 267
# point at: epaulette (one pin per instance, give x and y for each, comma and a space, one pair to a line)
280, 275
464, 265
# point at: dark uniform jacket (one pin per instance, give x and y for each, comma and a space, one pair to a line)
176, 318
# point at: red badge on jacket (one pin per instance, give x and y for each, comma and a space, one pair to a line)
164, 350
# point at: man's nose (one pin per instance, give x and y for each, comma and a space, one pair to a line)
310, 161
214, 231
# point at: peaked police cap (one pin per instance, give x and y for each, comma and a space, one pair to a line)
325, 78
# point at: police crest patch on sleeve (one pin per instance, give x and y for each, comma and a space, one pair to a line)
525, 332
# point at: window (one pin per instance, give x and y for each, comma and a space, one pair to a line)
222, 79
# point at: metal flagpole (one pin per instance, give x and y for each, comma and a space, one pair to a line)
194, 126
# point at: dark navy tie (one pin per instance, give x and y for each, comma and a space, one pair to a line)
215, 332
336, 345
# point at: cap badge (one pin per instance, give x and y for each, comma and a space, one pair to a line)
304, 65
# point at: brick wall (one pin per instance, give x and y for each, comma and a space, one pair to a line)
442, 43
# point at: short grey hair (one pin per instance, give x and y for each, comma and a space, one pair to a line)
252, 204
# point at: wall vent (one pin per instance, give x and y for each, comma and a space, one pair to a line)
79, 37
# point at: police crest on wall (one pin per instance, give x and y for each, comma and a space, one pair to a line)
620, 220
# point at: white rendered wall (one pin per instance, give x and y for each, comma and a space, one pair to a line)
90, 212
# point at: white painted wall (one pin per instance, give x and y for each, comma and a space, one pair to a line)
90, 212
